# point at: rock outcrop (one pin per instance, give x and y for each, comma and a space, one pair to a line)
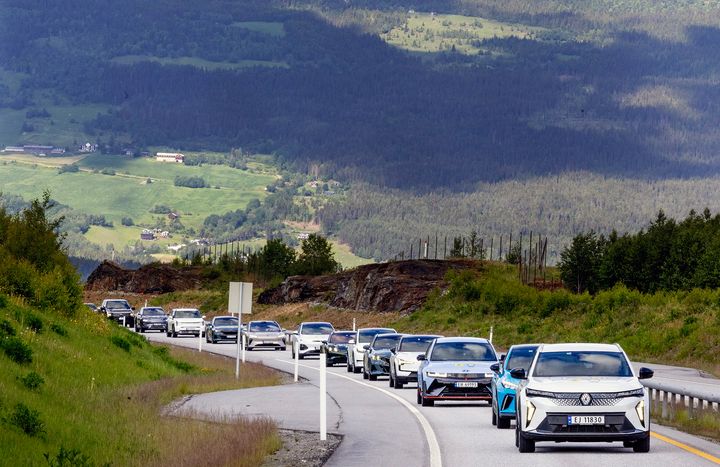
397, 286
152, 278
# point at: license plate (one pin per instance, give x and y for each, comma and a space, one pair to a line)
586, 420
466, 384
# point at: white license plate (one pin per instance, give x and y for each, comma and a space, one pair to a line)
586, 420
466, 384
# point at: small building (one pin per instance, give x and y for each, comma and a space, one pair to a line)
170, 157
88, 148
303, 236
173, 215
38, 149
19, 149
147, 235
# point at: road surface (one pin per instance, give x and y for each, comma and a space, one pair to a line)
383, 426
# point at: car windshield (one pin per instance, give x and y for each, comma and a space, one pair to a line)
263, 326
226, 321
118, 304
520, 358
554, 364
187, 314
341, 338
415, 344
366, 336
462, 351
386, 342
153, 312
317, 328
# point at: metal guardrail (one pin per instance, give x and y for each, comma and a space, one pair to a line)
666, 397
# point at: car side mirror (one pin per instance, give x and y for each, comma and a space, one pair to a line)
646, 373
502, 357
366, 346
393, 350
324, 342
518, 373
421, 357
495, 367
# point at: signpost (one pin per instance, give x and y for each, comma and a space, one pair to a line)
323, 395
240, 302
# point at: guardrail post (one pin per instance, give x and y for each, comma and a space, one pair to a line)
663, 400
691, 406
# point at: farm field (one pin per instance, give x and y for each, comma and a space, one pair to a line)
128, 195
430, 33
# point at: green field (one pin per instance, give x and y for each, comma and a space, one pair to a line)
425, 32
129, 195
198, 62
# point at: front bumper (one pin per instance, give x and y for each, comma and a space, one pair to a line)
310, 348
224, 335
336, 357
506, 403
448, 389
617, 427
379, 367
187, 329
265, 342
149, 325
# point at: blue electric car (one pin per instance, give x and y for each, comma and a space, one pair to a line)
503, 385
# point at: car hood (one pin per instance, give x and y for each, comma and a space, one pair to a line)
584, 384
267, 333
189, 320
460, 367
382, 353
314, 337
408, 356
154, 318
224, 327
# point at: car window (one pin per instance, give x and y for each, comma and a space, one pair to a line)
226, 321
317, 328
117, 304
520, 358
462, 351
555, 364
416, 344
153, 312
263, 326
386, 342
187, 314
366, 336
341, 338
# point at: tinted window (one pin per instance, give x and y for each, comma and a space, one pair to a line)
551, 364
263, 326
187, 314
118, 304
415, 344
462, 351
317, 328
341, 338
521, 358
153, 312
367, 335
386, 342
226, 321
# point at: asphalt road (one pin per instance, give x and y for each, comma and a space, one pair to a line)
383, 426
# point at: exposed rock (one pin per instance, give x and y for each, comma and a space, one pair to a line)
397, 286
152, 278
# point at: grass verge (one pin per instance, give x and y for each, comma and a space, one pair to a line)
705, 422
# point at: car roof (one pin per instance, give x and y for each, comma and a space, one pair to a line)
227, 316
260, 321
441, 340
524, 346
316, 322
376, 329
185, 309
343, 332
151, 308
579, 347
389, 334
432, 336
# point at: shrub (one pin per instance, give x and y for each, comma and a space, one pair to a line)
58, 329
68, 458
191, 182
32, 381
34, 323
6, 329
27, 419
165, 356
120, 342
17, 350
107, 172
127, 221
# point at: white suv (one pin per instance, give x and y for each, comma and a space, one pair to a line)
185, 321
356, 347
309, 338
582, 393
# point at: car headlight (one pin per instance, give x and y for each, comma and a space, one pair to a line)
640, 409
436, 374
489, 375
508, 384
376, 357
640, 392
530, 412
536, 393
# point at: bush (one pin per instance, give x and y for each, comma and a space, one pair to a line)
6, 329
17, 350
27, 419
191, 182
107, 172
34, 323
58, 329
69, 168
127, 222
32, 381
68, 458
120, 342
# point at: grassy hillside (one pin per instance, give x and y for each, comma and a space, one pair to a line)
83, 389
678, 327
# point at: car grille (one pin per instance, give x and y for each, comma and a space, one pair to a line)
614, 423
570, 402
468, 376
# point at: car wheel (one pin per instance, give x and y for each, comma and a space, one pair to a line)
328, 362
494, 417
427, 402
419, 397
142, 329
391, 382
301, 356
356, 369
525, 444
283, 349
503, 423
349, 368
174, 332
398, 384
167, 332
642, 445
372, 377
365, 375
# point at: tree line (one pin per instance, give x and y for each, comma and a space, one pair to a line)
669, 255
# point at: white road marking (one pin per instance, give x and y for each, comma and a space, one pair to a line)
433, 445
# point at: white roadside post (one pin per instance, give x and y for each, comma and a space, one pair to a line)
243, 347
353, 324
296, 351
123, 321
200, 338
240, 301
323, 395
491, 334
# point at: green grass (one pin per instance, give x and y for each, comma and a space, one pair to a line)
108, 398
129, 196
346, 257
198, 62
276, 29
672, 328
428, 33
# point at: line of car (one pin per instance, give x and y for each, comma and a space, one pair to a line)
572, 392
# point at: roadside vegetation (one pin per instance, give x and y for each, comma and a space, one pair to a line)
78, 390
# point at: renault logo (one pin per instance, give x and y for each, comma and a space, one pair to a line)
586, 399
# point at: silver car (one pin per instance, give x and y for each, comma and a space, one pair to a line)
264, 334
